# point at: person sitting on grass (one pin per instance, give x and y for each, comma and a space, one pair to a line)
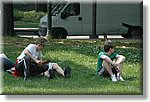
106, 63
30, 62
6, 63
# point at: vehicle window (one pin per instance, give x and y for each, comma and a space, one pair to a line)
73, 9
58, 7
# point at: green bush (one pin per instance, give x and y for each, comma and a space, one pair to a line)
29, 16
18, 15
32, 16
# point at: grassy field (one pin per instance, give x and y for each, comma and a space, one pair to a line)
81, 56
18, 24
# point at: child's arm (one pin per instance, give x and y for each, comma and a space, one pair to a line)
45, 62
28, 53
107, 59
120, 59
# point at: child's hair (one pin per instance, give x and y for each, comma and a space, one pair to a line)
41, 40
108, 44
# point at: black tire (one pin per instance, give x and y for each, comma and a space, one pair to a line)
135, 32
59, 34
125, 35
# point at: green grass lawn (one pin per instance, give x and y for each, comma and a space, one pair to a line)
18, 24
81, 56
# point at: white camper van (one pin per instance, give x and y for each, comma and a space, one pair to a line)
113, 18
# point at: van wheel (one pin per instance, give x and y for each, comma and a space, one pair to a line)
125, 35
135, 32
59, 34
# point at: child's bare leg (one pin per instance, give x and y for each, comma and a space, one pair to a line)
119, 68
58, 69
46, 73
119, 72
107, 67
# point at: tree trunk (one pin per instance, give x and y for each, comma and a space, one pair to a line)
8, 23
49, 20
94, 35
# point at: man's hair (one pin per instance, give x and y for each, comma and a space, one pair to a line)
108, 44
41, 41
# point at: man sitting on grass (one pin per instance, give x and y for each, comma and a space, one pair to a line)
30, 62
106, 63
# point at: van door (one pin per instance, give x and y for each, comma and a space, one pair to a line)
109, 18
72, 20
86, 9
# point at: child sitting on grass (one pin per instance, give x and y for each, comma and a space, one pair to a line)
106, 62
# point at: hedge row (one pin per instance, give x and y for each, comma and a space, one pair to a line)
28, 16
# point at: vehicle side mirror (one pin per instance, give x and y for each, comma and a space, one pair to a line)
64, 15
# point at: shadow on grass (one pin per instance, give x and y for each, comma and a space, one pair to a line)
82, 81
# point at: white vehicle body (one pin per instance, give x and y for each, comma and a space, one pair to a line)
75, 18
